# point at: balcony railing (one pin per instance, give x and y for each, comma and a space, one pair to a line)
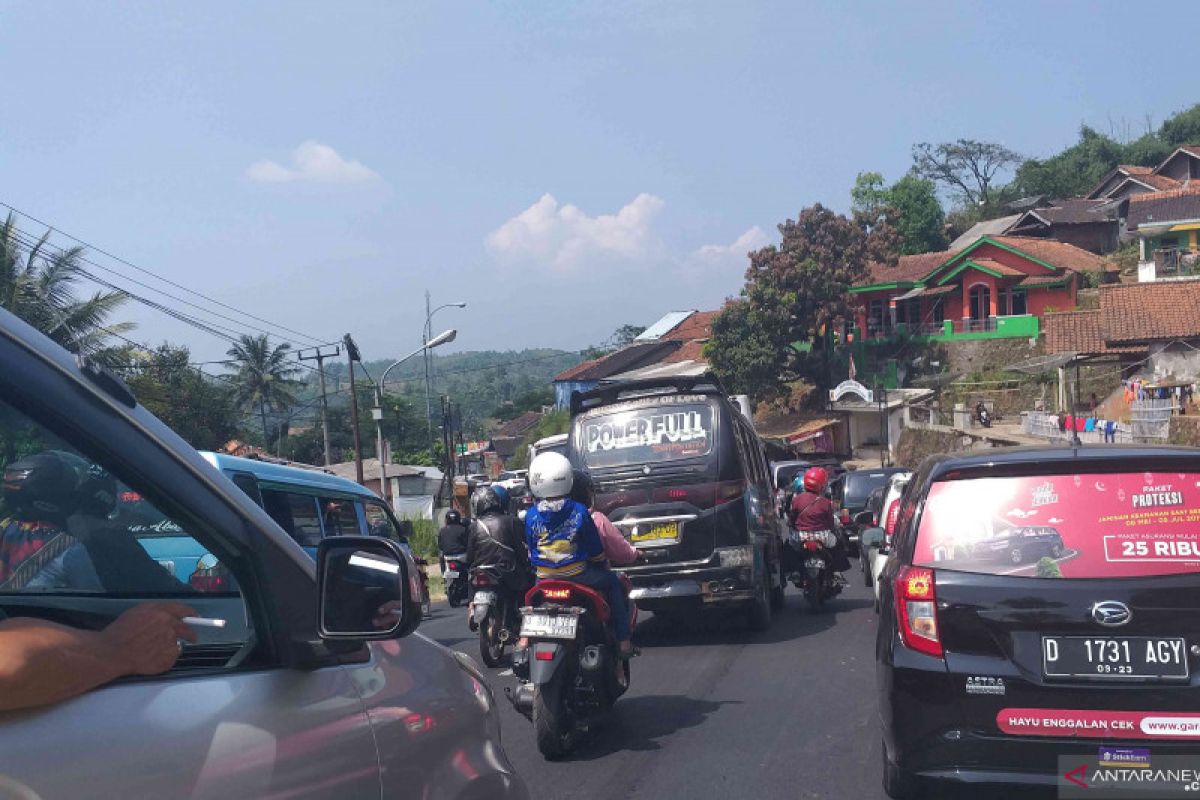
1171, 262
975, 325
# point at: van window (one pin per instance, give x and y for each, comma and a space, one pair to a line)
1064, 526
651, 433
295, 513
340, 517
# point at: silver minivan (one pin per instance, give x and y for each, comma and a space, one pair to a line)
301, 693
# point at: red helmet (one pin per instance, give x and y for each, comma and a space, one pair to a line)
815, 479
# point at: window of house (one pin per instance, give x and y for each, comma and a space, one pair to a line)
981, 301
908, 312
875, 315
1002, 302
1017, 305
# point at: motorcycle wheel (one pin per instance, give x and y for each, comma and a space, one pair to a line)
815, 598
552, 720
454, 596
491, 649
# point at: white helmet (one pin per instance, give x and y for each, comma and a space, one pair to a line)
550, 476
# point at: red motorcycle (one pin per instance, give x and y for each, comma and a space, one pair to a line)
568, 671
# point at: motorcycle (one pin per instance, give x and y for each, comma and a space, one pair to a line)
984, 416
816, 577
426, 600
567, 664
455, 576
493, 612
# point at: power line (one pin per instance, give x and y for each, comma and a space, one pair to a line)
155, 275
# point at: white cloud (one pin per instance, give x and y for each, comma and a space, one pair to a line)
735, 252
564, 238
312, 162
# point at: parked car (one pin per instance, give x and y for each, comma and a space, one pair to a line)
850, 490
878, 545
680, 472
303, 692
514, 480
994, 672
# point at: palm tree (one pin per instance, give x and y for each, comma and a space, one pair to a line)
264, 376
37, 283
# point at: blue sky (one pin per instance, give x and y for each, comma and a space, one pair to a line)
565, 168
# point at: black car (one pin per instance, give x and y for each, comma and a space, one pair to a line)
1015, 671
681, 473
1022, 544
850, 491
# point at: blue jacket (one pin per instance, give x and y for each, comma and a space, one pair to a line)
561, 543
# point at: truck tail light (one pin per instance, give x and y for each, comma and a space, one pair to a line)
916, 608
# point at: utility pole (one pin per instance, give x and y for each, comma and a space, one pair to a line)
353, 355
319, 357
424, 343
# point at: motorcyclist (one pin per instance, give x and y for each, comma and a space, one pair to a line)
811, 511
564, 543
452, 538
495, 538
617, 548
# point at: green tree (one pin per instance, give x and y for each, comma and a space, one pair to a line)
1073, 171
199, 408
1182, 128
794, 292
38, 283
551, 424
264, 379
919, 218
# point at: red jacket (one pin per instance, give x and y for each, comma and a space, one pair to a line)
811, 512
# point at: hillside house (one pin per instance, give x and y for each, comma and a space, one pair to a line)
1167, 225
997, 287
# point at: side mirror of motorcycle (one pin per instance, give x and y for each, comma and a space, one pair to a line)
864, 518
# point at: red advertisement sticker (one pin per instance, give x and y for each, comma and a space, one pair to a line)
1099, 724
1069, 526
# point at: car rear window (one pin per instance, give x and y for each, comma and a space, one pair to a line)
652, 433
859, 486
1064, 526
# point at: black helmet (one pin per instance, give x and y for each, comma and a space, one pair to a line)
453, 517
489, 500
582, 490
53, 485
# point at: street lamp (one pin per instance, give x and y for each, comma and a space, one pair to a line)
426, 332
377, 412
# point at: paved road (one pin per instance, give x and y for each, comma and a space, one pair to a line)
716, 711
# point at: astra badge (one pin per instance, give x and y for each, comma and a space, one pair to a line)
1111, 613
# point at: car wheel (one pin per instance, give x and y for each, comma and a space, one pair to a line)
897, 783
1016, 556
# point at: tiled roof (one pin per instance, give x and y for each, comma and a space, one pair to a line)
690, 351
1160, 182
1170, 206
909, 268
1079, 332
1133, 169
1033, 281
626, 359
1060, 254
989, 227
1075, 211
996, 266
696, 326
1194, 149
519, 425
1144, 312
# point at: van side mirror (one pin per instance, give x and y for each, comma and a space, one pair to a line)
365, 589
872, 537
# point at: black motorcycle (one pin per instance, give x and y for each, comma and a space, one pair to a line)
814, 574
455, 576
569, 670
495, 611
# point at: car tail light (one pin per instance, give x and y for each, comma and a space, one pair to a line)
557, 594
916, 604
889, 524
215, 579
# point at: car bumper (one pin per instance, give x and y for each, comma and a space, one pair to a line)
704, 586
